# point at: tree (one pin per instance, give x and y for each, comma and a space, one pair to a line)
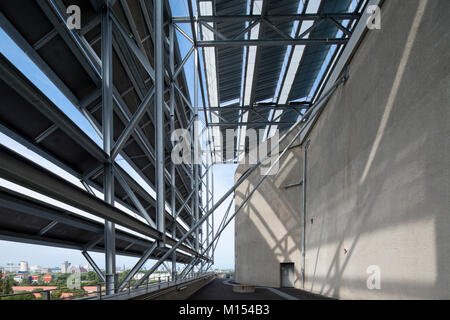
7, 287
1, 282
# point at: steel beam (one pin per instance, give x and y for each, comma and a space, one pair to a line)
303, 219
132, 124
138, 265
271, 42
172, 129
196, 149
93, 265
253, 124
108, 134
133, 198
159, 117
278, 18
47, 228
22, 171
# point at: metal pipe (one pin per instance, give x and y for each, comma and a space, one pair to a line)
134, 199
207, 208
305, 152
132, 124
107, 131
159, 118
172, 129
212, 204
275, 42
93, 265
138, 265
285, 17
196, 149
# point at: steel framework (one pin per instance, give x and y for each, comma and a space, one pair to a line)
181, 226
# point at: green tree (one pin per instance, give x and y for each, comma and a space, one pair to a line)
1, 282
7, 286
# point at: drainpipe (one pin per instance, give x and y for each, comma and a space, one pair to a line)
305, 151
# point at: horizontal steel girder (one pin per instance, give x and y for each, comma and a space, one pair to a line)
278, 18
24, 172
275, 42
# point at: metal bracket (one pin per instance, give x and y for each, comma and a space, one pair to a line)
287, 186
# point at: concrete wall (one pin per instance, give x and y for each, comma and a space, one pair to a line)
378, 179
267, 229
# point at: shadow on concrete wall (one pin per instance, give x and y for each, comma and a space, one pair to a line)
414, 77
419, 32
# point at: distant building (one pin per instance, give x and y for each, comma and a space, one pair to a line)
19, 278
56, 270
23, 266
11, 267
74, 269
35, 269
65, 267
47, 278
35, 279
83, 269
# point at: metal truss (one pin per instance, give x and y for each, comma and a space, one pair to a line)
199, 240
277, 37
165, 78
271, 21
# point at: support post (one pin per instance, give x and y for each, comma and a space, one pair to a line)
196, 149
212, 205
172, 129
207, 209
159, 118
107, 131
305, 153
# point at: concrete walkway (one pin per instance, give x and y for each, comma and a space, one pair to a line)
221, 289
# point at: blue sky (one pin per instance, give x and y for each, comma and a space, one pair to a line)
49, 256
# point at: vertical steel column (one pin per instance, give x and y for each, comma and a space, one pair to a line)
212, 205
172, 129
196, 149
107, 131
159, 118
305, 153
207, 209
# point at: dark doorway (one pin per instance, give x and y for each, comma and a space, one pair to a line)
287, 274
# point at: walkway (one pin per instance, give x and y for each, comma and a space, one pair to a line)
221, 289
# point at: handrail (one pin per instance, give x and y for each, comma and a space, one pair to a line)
151, 283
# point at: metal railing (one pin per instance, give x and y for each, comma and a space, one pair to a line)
45, 294
152, 284
130, 291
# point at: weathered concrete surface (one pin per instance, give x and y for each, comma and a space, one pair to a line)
378, 180
267, 229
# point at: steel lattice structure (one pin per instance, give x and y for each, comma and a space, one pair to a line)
124, 72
